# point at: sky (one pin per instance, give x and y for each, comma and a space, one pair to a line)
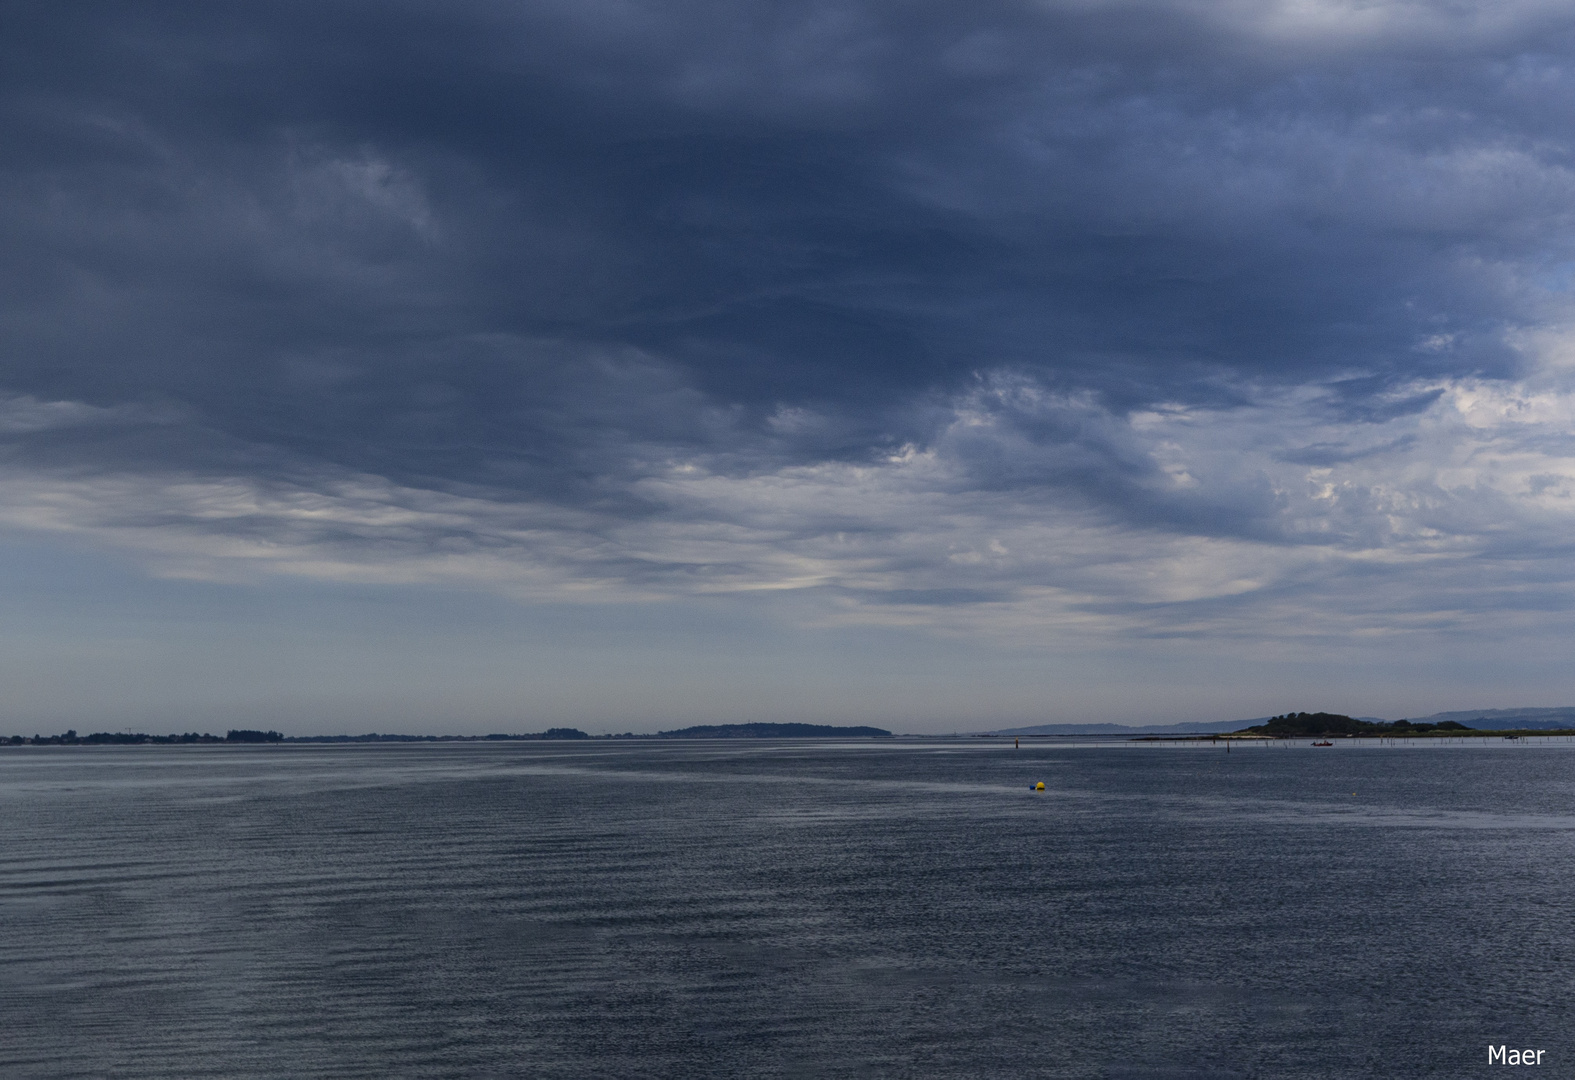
486, 366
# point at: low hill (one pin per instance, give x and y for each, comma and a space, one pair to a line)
773, 731
1322, 723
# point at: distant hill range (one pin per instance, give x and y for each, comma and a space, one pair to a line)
773, 731
1505, 719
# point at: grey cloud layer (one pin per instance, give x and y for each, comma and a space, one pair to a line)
1067, 310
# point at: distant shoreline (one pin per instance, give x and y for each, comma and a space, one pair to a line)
243, 737
1247, 736
1468, 733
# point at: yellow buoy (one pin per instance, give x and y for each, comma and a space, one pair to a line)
1039, 786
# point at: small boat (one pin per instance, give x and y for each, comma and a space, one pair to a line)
1325, 743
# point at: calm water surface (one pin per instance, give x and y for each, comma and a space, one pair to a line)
785, 909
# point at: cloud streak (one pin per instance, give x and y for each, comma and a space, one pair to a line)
1028, 511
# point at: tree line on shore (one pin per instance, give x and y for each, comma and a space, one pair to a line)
247, 735
718, 731
121, 738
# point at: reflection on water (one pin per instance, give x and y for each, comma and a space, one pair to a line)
783, 909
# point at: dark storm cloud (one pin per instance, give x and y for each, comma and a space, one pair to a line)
544, 254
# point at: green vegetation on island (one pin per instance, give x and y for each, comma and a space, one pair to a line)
1304, 725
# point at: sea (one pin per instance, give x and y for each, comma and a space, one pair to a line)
804, 908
